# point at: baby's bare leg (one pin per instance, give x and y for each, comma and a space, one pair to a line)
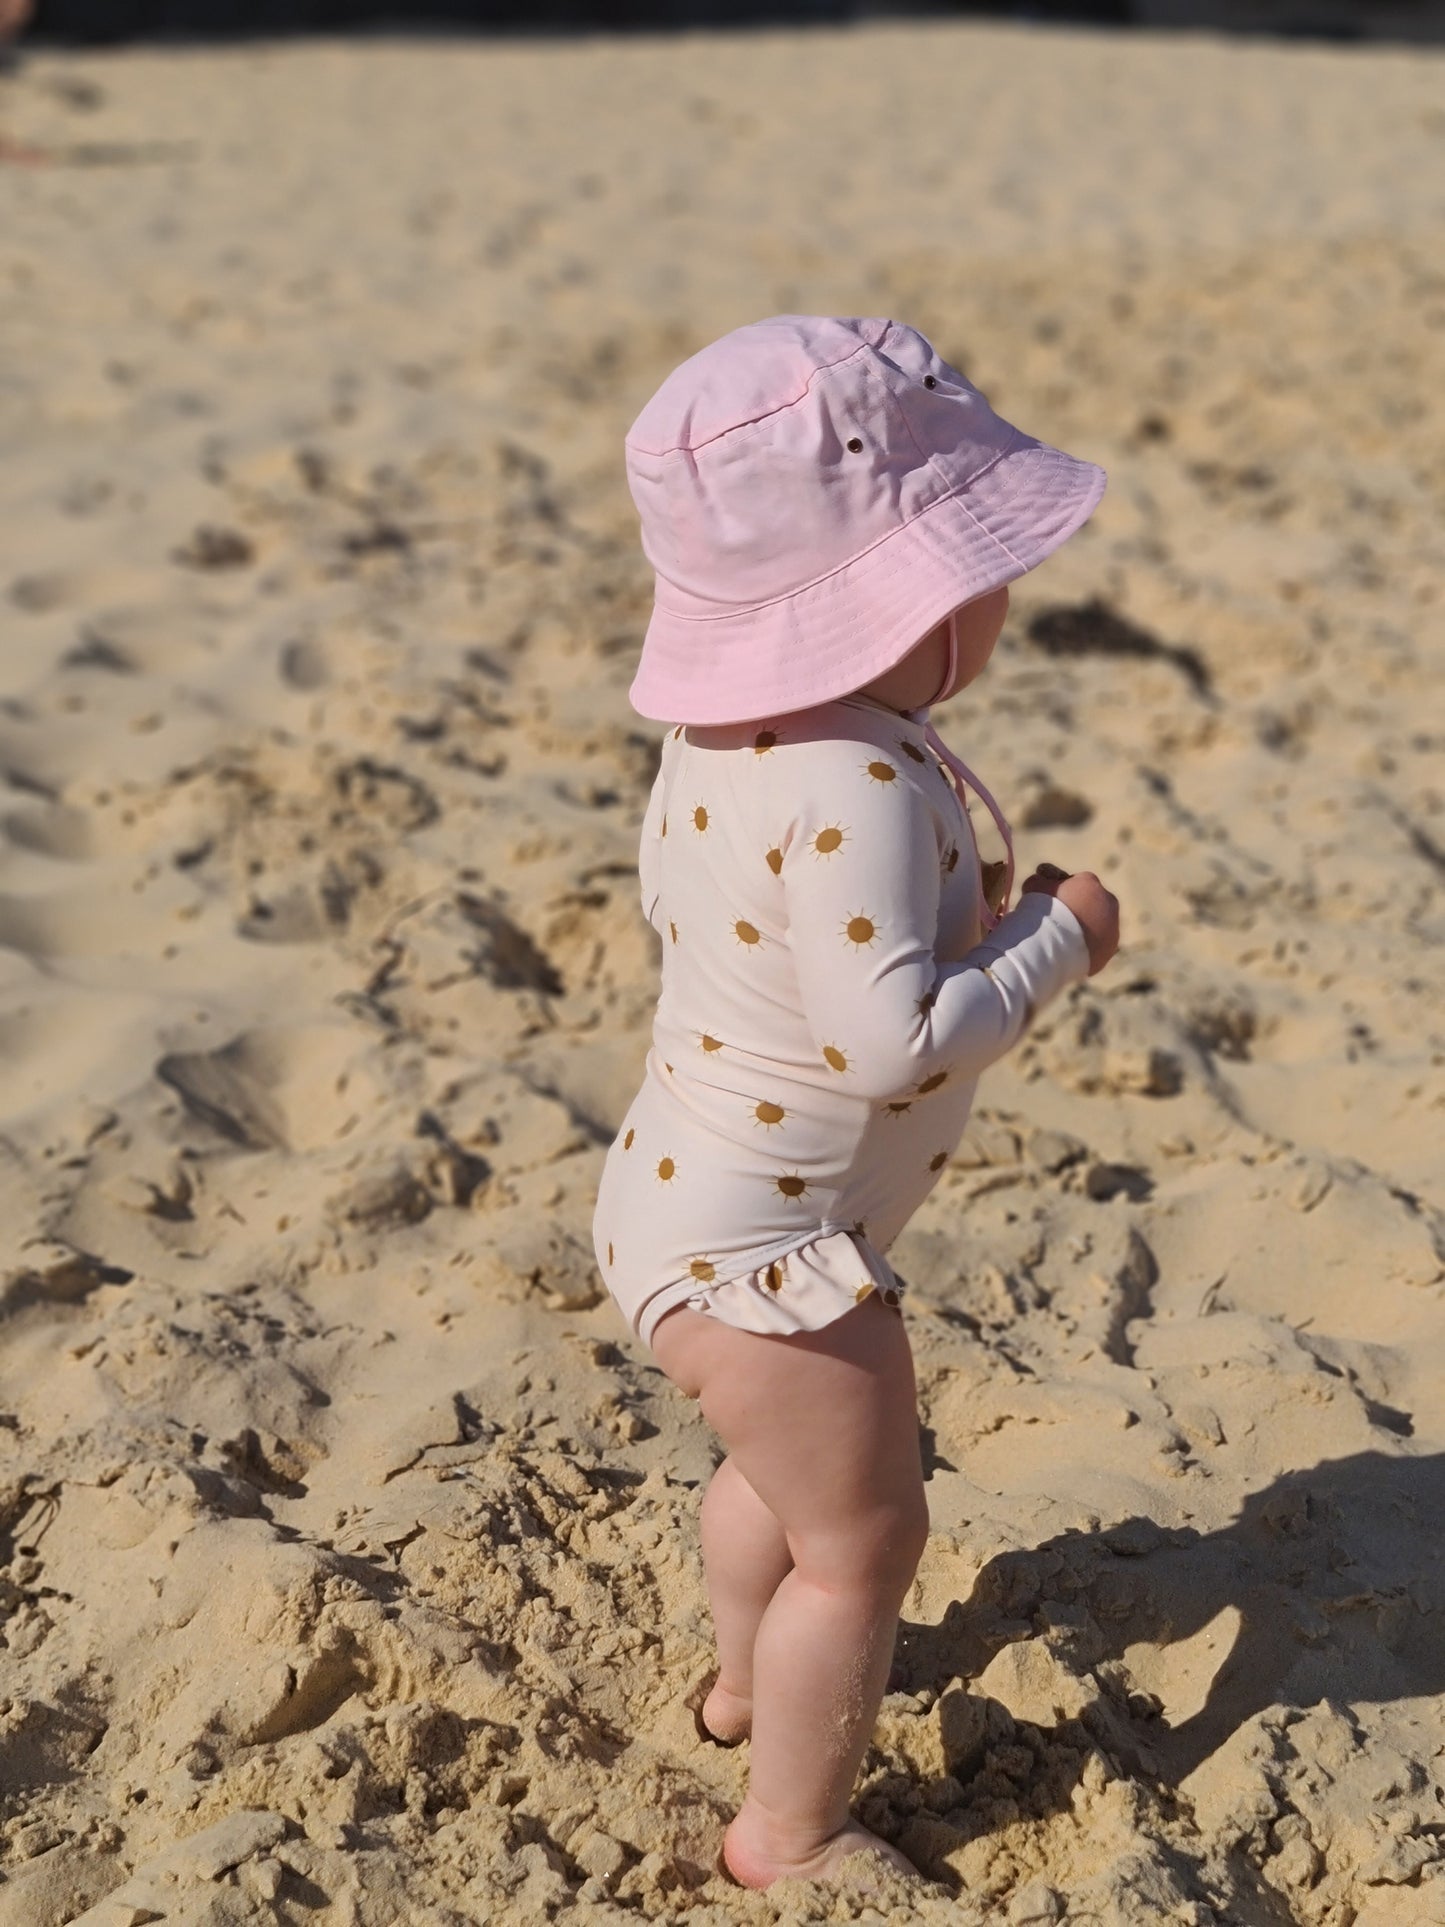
824, 1428
745, 1556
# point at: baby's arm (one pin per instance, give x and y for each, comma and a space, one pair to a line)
863, 919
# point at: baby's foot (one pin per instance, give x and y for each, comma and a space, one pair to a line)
725, 1716
756, 1860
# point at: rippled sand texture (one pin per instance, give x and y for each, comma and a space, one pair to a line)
352, 1570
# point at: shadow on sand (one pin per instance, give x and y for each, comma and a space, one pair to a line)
1327, 1587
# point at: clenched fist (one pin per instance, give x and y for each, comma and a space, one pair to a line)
1096, 908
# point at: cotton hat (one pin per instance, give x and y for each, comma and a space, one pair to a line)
818, 492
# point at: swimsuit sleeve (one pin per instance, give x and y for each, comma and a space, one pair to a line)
861, 878
649, 853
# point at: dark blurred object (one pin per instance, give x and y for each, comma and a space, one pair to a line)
13, 16
110, 20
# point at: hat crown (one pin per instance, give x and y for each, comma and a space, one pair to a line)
780, 452
745, 377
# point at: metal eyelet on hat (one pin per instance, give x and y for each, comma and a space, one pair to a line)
930, 381
854, 445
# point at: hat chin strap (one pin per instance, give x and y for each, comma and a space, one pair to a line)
952, 669
959, 769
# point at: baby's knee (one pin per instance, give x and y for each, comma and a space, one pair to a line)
878, 1553
907, 1535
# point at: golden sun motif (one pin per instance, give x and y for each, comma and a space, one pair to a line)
898, 1106
666, 1170
627, 1141
932, 1083
791, 1185
746, 932
774, 861
912, 749
863, 1290
766, 1112
834, 1058
860, 930
882, 771
673, 928
937, 1162
699, 817
952, 864
701, 1269
773, 1277
764, 741
828, 840
927, 1001
710, 1043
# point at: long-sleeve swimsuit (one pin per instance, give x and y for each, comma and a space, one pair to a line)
827, 1004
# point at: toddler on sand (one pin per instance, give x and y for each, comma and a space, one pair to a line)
833, 514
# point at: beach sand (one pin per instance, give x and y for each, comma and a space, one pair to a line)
352, 1571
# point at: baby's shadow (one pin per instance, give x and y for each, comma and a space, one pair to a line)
1327, 1586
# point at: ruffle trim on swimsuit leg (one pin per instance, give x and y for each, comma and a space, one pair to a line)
805, 1289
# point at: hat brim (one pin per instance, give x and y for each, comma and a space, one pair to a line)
700, 665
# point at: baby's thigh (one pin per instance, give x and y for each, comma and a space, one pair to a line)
823, 1426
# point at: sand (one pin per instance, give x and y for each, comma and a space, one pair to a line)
352, 1571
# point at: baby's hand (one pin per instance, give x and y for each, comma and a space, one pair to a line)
1096, 908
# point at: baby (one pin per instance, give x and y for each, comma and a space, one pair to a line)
833, 514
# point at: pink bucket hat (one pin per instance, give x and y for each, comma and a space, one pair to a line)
817, 493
